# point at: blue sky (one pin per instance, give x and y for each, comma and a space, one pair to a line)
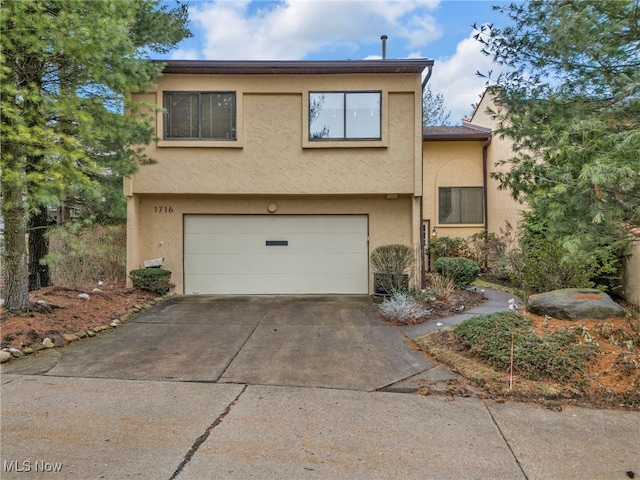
338, 30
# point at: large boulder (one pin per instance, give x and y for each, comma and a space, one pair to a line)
575, 304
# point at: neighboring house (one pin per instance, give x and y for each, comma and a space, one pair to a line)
460, 197
279, 177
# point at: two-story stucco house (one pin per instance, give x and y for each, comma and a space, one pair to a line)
279, 177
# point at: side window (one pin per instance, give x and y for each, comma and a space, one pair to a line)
199, 115
344, 115
460, 205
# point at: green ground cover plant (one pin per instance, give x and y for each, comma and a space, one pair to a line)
559, 355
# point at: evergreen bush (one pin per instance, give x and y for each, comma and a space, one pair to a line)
461, 270
155, 280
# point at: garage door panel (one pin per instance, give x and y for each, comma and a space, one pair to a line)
251, 224
323, 254
263, 284
256, 243
273, 264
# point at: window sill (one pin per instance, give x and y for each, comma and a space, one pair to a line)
459, 225
383, 143
200, 143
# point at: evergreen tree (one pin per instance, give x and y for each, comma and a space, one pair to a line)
569, 98
67, 70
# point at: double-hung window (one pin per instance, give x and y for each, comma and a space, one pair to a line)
344, 115
199, 115
461, 205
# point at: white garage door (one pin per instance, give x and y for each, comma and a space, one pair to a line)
275, 254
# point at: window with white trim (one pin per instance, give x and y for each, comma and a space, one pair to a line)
344, 115
199, 115
460, 205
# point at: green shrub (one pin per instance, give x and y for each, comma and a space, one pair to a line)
461, 270
155, 280
559, 356
546, 266
392, 264
448, 247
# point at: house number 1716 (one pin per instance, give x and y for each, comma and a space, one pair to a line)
163, 209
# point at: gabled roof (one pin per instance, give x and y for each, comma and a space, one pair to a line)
456, 133
295, 67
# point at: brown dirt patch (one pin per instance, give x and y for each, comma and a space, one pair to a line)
61, 311
587, 296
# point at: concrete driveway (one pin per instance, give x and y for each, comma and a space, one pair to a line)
318, 341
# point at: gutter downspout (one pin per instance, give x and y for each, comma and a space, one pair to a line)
485, 178
423, 270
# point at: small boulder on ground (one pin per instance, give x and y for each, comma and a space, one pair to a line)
575, 304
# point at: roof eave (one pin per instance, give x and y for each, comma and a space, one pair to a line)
287, 67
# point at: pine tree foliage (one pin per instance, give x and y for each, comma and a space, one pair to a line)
569, 98
66, 73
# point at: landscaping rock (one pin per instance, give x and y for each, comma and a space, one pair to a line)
575, 304
48, 343
4, 356
84, 296
27, 350
91, 333
16, 353
58, 341
81, 334
70, 337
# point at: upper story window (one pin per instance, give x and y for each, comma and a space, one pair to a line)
344, 115
461, 205
199, 115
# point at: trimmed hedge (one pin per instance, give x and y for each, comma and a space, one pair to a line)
155, 280
462, 270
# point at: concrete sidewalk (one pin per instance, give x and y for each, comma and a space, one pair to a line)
90, 428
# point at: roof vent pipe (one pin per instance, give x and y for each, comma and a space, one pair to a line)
384, 46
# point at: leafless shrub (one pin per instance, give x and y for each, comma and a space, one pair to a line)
391, 262
78, 257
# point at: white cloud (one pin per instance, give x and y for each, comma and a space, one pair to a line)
456, 78
293, 29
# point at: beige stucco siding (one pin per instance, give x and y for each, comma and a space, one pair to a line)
631, 279
502, 207
273, 155
159, 230
450, 164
